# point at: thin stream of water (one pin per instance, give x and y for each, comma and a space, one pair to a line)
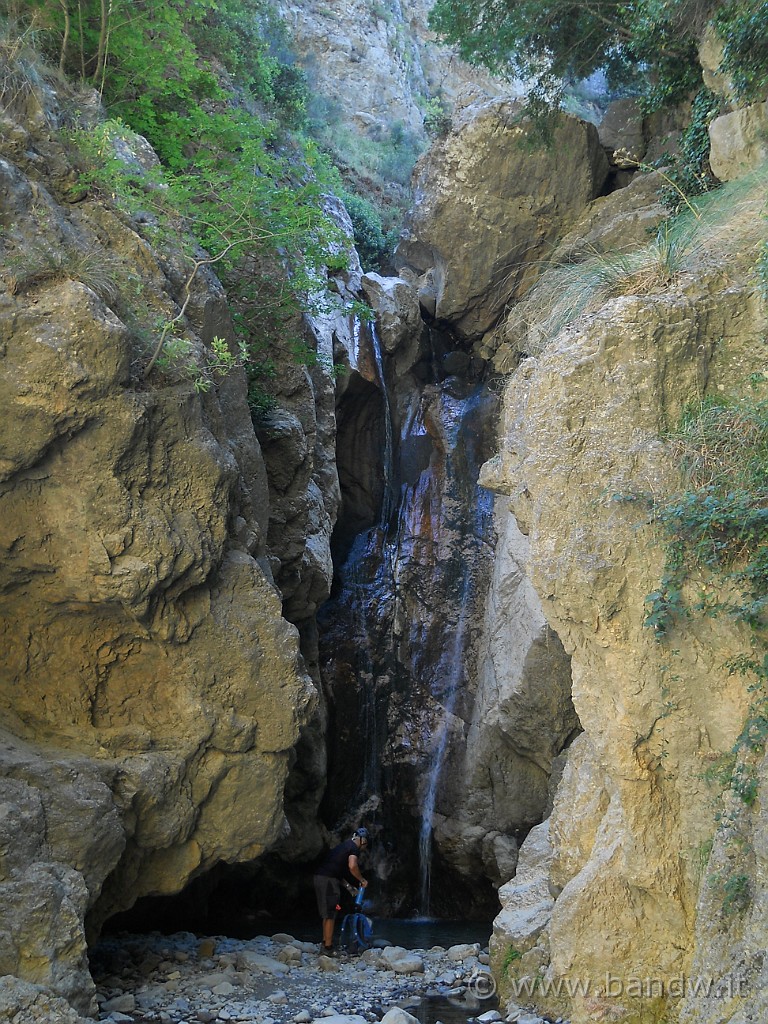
454, 676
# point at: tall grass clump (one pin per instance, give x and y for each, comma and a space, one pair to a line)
22, 71
712, 230
718, 523
715, 531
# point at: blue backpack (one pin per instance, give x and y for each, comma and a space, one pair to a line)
356, 929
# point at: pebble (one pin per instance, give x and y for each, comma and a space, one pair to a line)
275, 980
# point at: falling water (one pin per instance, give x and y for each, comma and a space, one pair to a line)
463, 463
453, 679
387, 500
363, 594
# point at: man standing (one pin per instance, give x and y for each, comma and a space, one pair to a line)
340, 862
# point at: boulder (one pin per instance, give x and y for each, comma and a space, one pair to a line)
34, 1004
402, 961
490, 204
739, 141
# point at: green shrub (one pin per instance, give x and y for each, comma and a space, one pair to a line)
743, 27
370, 240
689, 174
511, 956
437, 118
720, 523
737, 893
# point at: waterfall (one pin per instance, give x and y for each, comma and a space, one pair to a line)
368, 592
453, 677
394, 657
462, 464
387, 500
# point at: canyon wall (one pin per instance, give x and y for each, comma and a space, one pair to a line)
622, 909
641, 896
152, 691
376, 64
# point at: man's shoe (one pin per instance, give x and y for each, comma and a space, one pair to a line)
328, 951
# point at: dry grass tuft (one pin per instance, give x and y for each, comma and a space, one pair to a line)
721, 444
715, 230
95, 268
22, 72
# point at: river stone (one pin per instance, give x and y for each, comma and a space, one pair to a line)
398, 1015
402, 961
250, 960
226, 988
343, 1018
463, 951
124, 1003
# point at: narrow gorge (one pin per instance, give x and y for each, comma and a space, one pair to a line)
467, 548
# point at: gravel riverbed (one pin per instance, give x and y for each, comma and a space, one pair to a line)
183, 979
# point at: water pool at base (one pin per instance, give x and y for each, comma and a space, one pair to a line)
411, 933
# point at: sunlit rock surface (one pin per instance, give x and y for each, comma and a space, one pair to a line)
582, 456
375, 64
151, 691
490, 202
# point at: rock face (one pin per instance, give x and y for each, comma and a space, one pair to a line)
377, 64
432, 648
581, 434
490, 203
522, 716
151, 690
737, 141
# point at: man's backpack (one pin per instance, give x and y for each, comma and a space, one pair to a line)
356, 933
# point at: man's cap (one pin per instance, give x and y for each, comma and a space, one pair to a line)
362, 833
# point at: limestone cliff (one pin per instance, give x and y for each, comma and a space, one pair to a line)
618, 910
582, 452
376, 63
151, 690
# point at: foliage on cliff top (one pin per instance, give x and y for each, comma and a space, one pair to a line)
649, 47
208, 83
719, 522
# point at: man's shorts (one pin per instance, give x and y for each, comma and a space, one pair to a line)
328, 892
